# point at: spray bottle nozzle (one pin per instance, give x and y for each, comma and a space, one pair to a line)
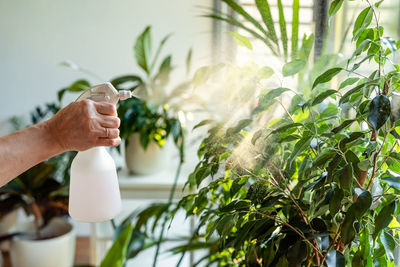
105, 92
125, 94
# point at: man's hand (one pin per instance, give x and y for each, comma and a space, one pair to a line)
78, 126
85, 124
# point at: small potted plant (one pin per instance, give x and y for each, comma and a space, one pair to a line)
147, 122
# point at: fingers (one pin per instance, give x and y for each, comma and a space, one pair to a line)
105, 108
109, 121
110, 133
108, 142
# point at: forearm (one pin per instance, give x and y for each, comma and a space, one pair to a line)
22, 150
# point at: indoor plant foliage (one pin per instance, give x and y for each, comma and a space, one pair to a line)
317, 186
154, 115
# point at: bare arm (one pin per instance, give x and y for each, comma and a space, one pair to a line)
79, 126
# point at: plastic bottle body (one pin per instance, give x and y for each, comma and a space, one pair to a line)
94, 190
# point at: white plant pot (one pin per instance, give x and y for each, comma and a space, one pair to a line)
6, 225
149, 161
57, 251
8, 222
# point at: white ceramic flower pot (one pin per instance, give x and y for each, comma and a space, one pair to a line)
8, 222
57, 251
145, 162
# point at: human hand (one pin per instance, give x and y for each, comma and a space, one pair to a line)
85, 124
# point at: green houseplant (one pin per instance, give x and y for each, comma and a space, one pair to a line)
149, 120
317, 186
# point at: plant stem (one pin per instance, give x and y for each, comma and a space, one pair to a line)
316, 249
170, 199
376, 158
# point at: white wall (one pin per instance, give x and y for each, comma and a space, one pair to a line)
36, 35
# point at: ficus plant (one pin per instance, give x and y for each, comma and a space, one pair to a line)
317, 185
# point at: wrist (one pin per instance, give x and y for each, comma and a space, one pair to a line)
53, 137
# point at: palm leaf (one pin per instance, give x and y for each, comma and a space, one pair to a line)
265, 12
237, 8
230, 20
282, 25
295, 28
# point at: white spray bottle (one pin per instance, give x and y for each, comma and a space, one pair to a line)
94, 191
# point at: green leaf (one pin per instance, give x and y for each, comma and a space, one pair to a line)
389, 244
120, 81
189, 60
323, 158
79, 86
166, 64
379, 111
265, 73
265, 12
255, 137
346, 177
326, 76
117, 254
293, 67
285, 127
202, 123
348, 81
342, 126
393, 182
297, 254
282, 26
236, 7
241, 40
362, 205
384, 217
61, 93
335, 201
306, 47
233, 21
335, 258
393, 162
201, 76
322, 96
158, 52
346, 96
300, 146
225, 224
142, 50
335, 6
363, 20
268, 97
295, 28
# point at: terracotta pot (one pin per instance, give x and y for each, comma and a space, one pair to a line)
55, 251
149, 161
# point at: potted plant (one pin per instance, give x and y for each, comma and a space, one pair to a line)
42, 192
148, 121
315, 185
